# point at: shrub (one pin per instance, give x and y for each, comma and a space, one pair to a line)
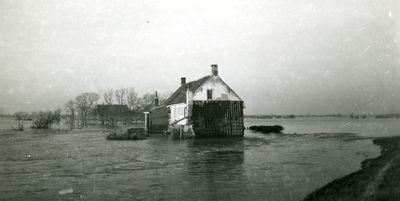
21, 116
20, 126
44, 119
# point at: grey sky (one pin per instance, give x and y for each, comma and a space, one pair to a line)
285, 57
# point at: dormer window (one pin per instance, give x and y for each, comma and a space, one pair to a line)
209, 94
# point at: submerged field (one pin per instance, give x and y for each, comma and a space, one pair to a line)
59, 163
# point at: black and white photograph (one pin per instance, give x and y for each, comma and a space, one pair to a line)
200, 100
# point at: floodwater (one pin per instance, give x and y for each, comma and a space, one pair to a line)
58, 163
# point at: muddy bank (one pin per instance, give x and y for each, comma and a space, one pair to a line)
379, 178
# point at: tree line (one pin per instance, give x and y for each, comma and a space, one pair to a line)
83, 108
84, 105
125, 96
41, 119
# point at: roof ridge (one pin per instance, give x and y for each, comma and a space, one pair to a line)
207, 76
179, 96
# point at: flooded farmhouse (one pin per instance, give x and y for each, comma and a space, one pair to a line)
206, 107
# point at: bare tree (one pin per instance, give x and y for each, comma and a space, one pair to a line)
70, 109
132, 97
86, 103
120, 95
109, 97
146, 103
163, 97
57, 116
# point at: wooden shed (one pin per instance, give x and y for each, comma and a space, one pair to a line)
207, 106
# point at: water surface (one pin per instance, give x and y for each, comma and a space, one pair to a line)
80, 164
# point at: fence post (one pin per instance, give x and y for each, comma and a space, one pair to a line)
146, 121
181, 132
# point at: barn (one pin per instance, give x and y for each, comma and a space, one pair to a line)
113, 113
206, 107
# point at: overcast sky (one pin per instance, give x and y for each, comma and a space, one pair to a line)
282, 57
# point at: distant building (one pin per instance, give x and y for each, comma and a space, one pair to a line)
112, 112
208, 106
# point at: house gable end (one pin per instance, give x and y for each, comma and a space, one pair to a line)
218, 88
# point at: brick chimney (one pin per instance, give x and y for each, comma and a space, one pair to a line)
156, 100
214, 70
183, 80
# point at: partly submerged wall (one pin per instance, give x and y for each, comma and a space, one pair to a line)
217, 118
159, 120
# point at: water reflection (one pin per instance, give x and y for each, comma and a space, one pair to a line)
215, 156
215, 168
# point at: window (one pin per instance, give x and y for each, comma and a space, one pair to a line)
209, 94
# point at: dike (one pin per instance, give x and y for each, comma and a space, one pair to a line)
379, 178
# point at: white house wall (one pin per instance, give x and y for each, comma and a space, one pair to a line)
177, 113
220, 91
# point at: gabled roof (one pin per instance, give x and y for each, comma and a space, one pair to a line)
113, 110
179, 96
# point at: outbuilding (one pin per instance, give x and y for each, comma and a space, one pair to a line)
113, 113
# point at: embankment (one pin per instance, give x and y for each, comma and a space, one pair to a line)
379, 178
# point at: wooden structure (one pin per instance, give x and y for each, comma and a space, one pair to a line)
218, 118
207, 106
157, 120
